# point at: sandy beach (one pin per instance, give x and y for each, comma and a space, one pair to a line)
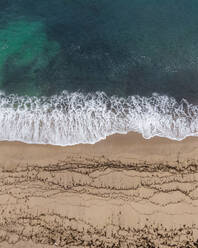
124, 191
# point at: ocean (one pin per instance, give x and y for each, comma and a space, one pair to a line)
77, 71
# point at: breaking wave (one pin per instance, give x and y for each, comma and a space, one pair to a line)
74, 118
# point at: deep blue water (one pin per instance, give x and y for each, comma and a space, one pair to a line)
114, 66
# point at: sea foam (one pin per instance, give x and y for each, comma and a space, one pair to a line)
74, 118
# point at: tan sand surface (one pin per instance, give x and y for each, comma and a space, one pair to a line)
124, 191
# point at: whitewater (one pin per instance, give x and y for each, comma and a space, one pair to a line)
76, 118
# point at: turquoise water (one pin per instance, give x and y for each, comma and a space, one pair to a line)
75, 71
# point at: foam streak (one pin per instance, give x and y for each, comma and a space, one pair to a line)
73, 118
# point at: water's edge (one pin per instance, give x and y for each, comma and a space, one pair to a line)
77, 118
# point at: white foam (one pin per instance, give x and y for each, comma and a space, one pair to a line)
73, 118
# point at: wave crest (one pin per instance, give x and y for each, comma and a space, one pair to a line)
73, 118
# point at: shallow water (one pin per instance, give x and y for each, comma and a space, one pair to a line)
126, 50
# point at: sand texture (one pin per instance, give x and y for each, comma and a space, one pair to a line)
124, 191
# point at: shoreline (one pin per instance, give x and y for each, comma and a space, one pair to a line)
124, 191
131, 147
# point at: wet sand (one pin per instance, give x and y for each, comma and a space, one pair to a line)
124, 191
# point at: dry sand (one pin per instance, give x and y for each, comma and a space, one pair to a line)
124, 191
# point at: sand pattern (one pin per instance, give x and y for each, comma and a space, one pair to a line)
87, 199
